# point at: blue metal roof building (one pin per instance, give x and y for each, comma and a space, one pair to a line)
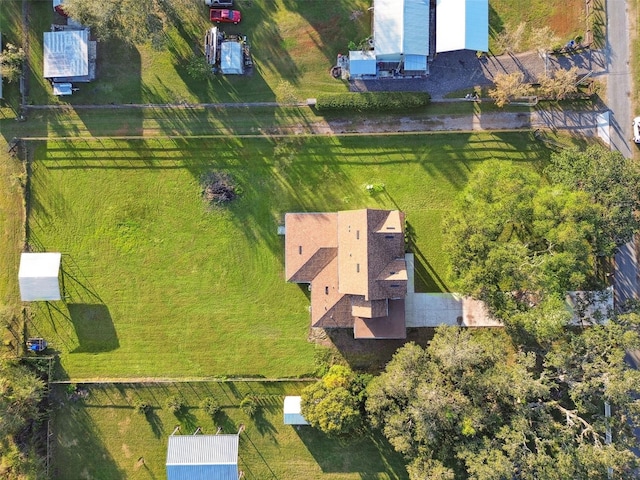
202, 457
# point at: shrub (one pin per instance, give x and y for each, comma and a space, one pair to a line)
141, 407
382, 101
210, 406
174, 404
248, 406
11, 60
373, 188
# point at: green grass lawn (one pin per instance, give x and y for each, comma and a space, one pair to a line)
160, 285
102, 436
565, 18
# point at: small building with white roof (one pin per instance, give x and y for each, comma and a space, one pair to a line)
69, 56
293, 411
38, 277
231, 58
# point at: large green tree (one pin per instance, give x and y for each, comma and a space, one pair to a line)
20, 396
334, 403
512, 240
473, 406
610, 180
11, 60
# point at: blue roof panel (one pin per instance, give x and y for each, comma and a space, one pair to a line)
202, 472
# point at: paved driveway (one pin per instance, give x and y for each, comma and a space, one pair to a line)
453, 71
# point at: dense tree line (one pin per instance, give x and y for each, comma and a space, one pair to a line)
474, 405
517, 238
21, 393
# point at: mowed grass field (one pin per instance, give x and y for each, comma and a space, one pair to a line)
161, 285
101, 436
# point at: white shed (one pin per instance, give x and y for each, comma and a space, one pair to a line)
293, 411
38, 276
462, 25
231, 60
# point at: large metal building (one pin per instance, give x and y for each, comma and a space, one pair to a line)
401, 33
407, 34
202, 457
462, 25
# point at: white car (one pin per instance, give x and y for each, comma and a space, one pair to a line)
218, 3
636, 130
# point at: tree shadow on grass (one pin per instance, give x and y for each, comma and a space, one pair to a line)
370, 355
94, 328
224, 422
77, 448
263, 425
155, 422
368, 454
188, 421
426, 279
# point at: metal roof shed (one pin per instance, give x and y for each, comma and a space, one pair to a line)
231, 60
62, 88
362, 63
462, 25
293, 411
38, 276
400, 28
202, 457
66, 54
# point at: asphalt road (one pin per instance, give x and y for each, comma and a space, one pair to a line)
625, 280
619, 76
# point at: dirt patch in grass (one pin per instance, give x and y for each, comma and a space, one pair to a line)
568, 19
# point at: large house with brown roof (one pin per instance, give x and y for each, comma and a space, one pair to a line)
354, 261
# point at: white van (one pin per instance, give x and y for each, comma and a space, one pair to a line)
218, 3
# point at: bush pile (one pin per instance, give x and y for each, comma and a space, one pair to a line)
174, 404
210, 406
219, 187
372, 101
141, 407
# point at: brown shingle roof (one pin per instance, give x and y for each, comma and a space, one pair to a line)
329, 307
368, 308
371, 242
354, 261
305, 235
391, 326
